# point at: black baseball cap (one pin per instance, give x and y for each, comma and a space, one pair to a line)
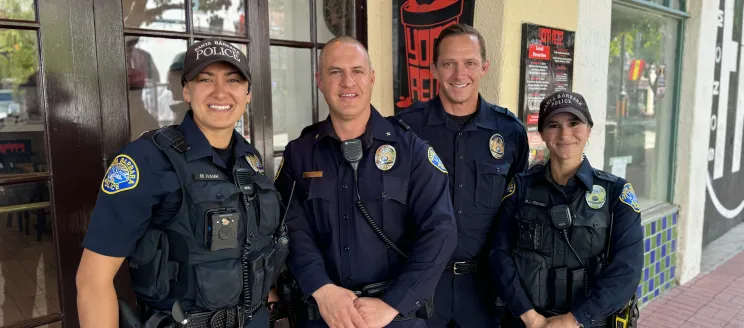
563, 102
200, 55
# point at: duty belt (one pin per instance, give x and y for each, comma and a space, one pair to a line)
234, 317
461, 268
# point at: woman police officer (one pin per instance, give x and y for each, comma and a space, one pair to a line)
568, 250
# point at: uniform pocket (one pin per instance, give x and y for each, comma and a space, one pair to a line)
490, 184
208, 195
589, 234
533, 274
268, 204
149, 268
218, 284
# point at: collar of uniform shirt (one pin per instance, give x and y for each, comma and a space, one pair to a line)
585, 174
199, 146
378, 127
484, 117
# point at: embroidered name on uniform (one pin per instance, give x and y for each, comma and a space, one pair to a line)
312, 174
535, 203
121, 175
207, 176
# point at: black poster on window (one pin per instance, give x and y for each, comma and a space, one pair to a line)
546, 66
724, 205
416, 24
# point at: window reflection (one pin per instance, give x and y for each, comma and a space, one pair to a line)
291, 98
640, 101
224, 17
289, 20
155, 99
334, 18
22, 142
17, 9
166, 15
28, 265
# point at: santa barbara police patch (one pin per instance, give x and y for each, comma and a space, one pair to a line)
629, 198
121, 175
510, 189
434, 160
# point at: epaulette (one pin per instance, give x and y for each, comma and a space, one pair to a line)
605, 175
504, 111
416, 106
310, 128
534, 169
397, 121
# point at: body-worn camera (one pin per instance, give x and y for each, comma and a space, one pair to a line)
222, 228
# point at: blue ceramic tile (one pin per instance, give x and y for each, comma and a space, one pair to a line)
645, 274
653, 256
661, 278
658, 240
656, 293
674, 245
658, 266
669, 234
664, 223
663, 251
667, 285
639, 290
653, 227
645, 299
668, 262
650, 284
648, 245
671, 272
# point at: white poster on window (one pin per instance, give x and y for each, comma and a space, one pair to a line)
619, 164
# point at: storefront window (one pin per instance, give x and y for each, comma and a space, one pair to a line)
291, 87
164, 15
17, 9
641, 101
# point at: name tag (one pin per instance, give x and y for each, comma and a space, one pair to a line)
312, 174
207, 176
535, 203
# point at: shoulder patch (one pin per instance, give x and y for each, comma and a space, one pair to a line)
434, 160
122, 174
628, 197
279, 169
510, 189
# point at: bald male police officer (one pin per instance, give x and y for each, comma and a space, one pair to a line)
191, 209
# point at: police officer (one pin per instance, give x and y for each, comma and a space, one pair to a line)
559, 222
360, 176
482, 146
191, 209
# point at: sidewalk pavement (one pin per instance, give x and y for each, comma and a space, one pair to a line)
712, 300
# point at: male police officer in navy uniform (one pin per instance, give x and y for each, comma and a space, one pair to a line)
569, 243
191, 209
482, 146
402, 186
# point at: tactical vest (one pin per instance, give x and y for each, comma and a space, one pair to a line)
223, 242
549, 271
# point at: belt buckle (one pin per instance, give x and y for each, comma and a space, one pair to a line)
454, 268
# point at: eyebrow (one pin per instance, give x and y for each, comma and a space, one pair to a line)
228, 74
339, 68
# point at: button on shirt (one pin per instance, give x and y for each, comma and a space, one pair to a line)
120, 219
405, 194
478, 172
618, 281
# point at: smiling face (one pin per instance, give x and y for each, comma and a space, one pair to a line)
218, 97
459, 67
565, 136
346, 79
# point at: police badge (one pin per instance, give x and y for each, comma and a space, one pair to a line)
596, 198
385, 157
255, 163
496, 145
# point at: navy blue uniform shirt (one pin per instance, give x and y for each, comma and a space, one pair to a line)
403, 186
120, 219
618, 281
481, 159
